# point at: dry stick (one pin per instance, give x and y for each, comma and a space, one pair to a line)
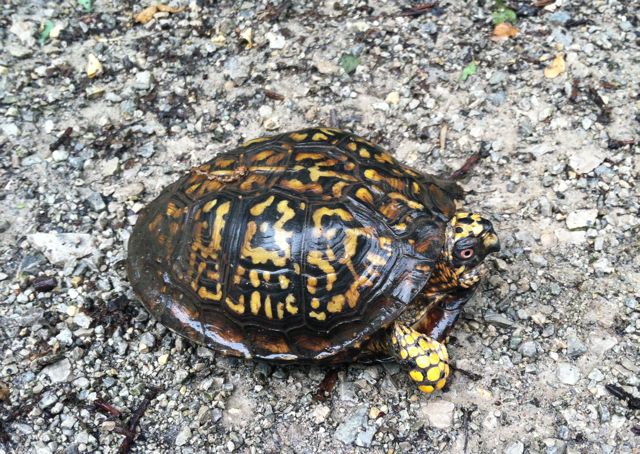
62, 139
131, 430
468, 165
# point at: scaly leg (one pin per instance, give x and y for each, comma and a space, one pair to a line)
426, 358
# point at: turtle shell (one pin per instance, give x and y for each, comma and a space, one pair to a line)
294, 247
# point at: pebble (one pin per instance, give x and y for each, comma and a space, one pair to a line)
276, 40
110, 166
529, 349
60, 155
82, 320
10, 129
568, 373
58, 372
147, 341
320, 413
143, 80
585, 160
365, 437
603, 266
515, 448
559, 17
393, 98
575, 347
60, 248
439, 413
581, 219
498, 319
183, 436
347, 431
96, 202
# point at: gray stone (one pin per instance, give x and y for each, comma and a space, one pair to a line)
575, 347
498, 98
497, 77
559, 17
347, 431
183, 436
498, 319
10, 129
585, 160
147, 150
33, 263
47, 400
537, 259
143, 80
58, 372
529, 349
568, 374
439, 413
603, 266
147, 341
238, 69
96, 202
365, 438
60, 248
82, 320
60, 155
515, 448
581, 219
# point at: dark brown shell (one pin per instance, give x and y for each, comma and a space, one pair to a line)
293, 247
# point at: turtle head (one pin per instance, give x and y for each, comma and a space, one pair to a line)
469, 239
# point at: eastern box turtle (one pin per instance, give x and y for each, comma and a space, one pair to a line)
314, 246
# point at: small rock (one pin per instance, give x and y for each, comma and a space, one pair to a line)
58, 372
498, 319
320, 413
82, 320
575, 347
515, 448
602, 265
581, 219
60, 155
110, 166
183, 436
25, 32
60, 248
439, 413
96, 202
147, 341
347, 431
43, 284
276, 40
265, 111
393, 98
559, 17
529, 349
325, 67
10, 129
143, 80
365, 438
568, 374
537, 259
596, 375
585, 160
163, 359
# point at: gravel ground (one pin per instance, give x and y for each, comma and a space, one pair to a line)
557, 320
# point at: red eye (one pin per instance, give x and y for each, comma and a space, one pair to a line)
467, 253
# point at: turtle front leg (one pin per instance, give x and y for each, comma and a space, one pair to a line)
443, 313
426, 358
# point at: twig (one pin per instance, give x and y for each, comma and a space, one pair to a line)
418, 10
64, 138
471, 375
131, 430
468, 165
616, 391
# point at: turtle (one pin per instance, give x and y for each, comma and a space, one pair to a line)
316, 247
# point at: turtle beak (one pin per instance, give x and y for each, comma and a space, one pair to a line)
491, 242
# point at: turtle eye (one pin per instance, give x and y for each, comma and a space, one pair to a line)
467, 253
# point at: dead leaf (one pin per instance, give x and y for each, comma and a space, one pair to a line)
505, 30
556, 67
94, 67
147, 14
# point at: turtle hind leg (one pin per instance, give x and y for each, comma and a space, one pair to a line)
426, 358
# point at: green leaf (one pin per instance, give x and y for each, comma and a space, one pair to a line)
349, 63
46, 31
504, 14
86, 4
469, 71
